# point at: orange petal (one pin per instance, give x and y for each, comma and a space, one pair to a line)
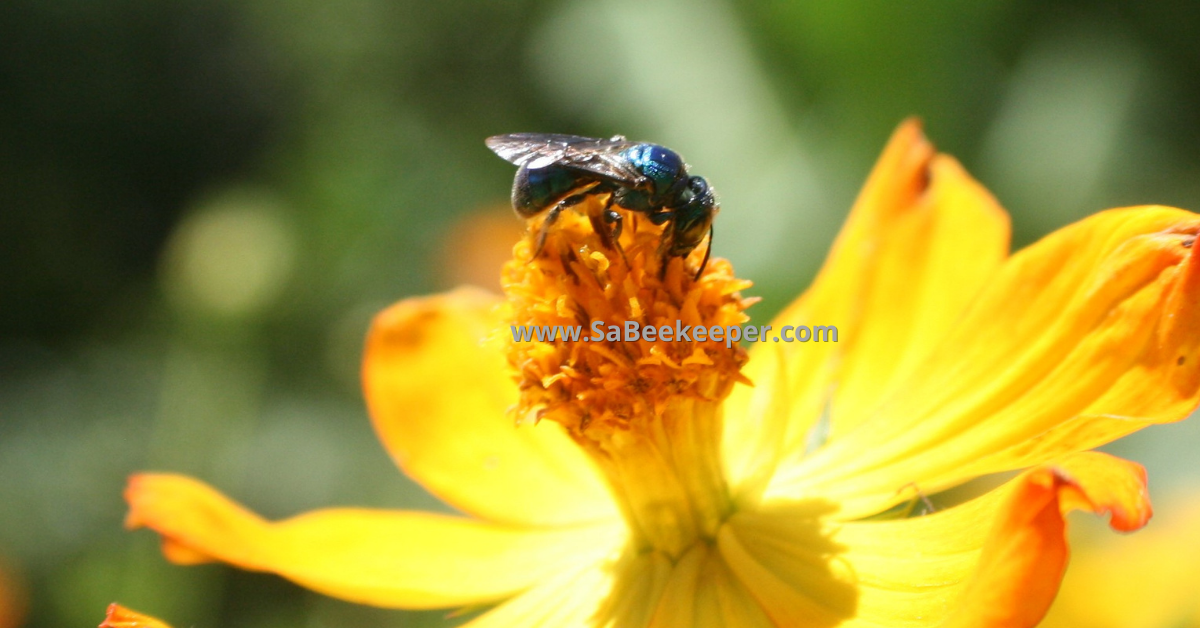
439, 397
383, 558
921, 241
120, 617
995, 561
1086, 336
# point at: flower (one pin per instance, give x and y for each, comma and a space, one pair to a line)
120, 617
1144, 581
690, 483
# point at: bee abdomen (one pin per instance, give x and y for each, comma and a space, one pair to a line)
535, 190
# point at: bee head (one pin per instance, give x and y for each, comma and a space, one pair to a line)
693, 216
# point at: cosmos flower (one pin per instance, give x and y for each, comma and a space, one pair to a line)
683, 483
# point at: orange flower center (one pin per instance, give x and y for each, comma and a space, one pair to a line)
647, 411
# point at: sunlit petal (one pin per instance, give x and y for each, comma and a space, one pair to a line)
384, 558
994, 561
439, 396
1086, 336
921, 241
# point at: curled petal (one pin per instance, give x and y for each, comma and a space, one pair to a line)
993, 562
1023, 560
1088, 335
120, 617
439, 396
383, 558
922, 240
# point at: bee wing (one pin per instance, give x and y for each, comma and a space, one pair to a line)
596, 155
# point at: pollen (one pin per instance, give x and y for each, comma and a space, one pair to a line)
583, 278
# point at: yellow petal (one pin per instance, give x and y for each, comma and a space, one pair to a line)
1085, 336
637, 590
921, 241
787, 559
439, 397
703, 593
569, 600
383, 558
993, 562
120, 617
641, 579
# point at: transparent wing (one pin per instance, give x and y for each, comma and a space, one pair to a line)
595, 155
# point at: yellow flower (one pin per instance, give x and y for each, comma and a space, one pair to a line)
120, 617
648, 483
1145, 581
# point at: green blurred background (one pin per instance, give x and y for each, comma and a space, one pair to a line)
202, 203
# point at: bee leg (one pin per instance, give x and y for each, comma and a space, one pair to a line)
613, 217
707, 254
919, 498
552, 216
662, 218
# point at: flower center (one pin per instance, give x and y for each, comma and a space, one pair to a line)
646, 410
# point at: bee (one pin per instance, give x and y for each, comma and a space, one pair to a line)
560, 171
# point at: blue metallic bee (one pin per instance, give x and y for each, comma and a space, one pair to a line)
559, 171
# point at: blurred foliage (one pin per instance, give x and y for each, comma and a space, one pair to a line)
204, 202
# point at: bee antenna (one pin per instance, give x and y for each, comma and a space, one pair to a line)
707, 254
